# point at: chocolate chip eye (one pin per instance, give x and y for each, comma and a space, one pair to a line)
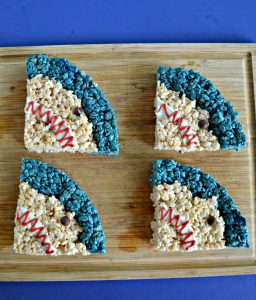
78, 111
65, 220
211, 220
203, 124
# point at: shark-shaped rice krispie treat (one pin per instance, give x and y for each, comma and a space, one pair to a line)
192, 115
65, 110
54, 216
192, 211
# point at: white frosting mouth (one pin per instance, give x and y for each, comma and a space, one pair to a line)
63, 133
164, 110
35, 226
182, 225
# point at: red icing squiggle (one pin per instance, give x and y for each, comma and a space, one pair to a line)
176, 120
52, 120
175, 220
23, 219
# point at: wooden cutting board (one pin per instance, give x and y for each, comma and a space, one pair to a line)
118, 186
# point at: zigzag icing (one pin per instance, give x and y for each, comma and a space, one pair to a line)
182, 226
63, 133
33, 224
162, 109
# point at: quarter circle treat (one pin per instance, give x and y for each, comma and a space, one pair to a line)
50, 200
55, 88
193, 211
192, 114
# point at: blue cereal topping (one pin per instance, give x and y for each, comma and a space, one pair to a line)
95, 104
223, 119
204, 186
51, 181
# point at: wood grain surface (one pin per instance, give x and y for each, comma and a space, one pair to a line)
118, 186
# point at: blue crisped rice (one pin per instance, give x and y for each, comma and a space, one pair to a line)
50, 181
204, 186
95, 104
223, 119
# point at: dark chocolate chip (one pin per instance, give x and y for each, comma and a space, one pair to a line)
180, 95
203, 124
78, 111
65, 220
211, 220
62, 248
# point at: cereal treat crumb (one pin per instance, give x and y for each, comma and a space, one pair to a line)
85, 123
192, 115
193, 211
54, 215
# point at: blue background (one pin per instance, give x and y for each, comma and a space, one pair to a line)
108, 21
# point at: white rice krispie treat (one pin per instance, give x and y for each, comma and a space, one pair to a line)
54, 119
180, 125
183, 222
42, 226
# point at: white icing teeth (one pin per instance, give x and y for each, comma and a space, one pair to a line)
164, 110
63, 134
182, 225
180, 124
34, 225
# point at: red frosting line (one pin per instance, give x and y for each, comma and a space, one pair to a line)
174, 220
33, 228
178, 121
53, 121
